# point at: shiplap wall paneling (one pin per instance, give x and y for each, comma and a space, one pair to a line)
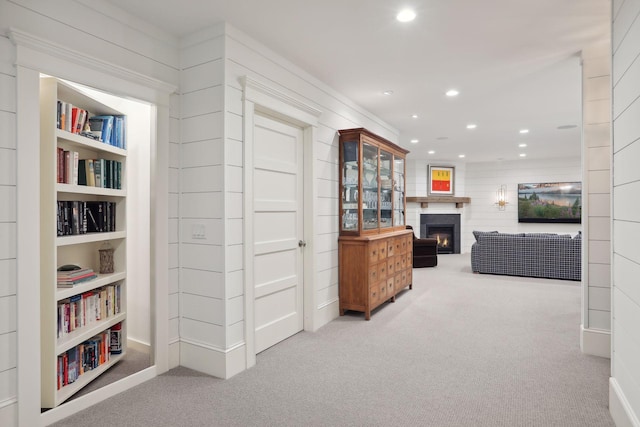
174, 231
202, 205
233, 217
625, 382
247, 57
8, 315
596, 101
130, 42
481, 184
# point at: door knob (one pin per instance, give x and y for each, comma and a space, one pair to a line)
302, 243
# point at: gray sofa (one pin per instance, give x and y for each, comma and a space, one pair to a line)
553, 256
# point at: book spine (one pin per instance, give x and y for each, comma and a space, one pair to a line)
91, 177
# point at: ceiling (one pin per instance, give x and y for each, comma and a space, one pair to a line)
516, 63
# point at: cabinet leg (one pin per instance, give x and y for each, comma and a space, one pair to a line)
367, 315
342, 310
410, 285
393, 299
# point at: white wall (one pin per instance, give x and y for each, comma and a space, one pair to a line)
596, 255
480, 182
624, 401
212, 272
122, 40
8, 188
202, 259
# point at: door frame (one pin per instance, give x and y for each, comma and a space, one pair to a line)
259, 97
34, 56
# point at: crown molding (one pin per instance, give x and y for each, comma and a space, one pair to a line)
251, 84
25, 40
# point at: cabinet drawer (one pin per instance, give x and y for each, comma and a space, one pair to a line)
403, 258
391, 266
383, 291
373, 274
398, 260
391, 250
403, 244
373, 253
374, 294
382, 250
382, 270
400, 245
391, 286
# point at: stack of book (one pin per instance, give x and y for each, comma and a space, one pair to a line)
69, 278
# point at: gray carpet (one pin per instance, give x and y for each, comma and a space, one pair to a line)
460, 349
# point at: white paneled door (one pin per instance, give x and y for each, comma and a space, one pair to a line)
277, 230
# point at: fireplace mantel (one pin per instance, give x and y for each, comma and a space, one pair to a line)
424, 201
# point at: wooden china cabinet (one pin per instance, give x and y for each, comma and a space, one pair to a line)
375, 248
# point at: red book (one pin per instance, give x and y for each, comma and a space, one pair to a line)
74, 119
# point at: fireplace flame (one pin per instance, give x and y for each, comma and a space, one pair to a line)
442, 243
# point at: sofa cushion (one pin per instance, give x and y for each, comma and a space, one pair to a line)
478, 234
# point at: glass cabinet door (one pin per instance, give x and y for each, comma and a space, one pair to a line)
350, 186
386, 189
369, 186
398, 192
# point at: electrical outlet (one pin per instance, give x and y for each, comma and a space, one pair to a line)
198, 231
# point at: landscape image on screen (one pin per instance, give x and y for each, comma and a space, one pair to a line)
550, 202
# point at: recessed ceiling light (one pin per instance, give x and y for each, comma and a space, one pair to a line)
522, 145
523, 154
414, 116
442, 138
461, 156
524, 130
387, 92
452, 92
431, 152
406, 15
471, 126
563, 127
414, 141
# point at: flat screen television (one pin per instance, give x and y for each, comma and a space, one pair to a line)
553, 202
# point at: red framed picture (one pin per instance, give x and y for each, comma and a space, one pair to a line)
441, 180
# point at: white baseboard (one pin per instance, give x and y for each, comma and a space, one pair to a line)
619, 407
9, 414
326, 313
213, 361
83, 402
595, 342
138, 345
174, 354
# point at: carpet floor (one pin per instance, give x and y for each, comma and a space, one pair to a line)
459, 349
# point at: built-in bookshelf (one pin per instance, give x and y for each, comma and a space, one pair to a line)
83, 201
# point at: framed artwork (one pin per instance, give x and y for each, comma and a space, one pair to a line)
441, 180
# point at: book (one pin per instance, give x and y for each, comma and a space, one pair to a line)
60, 165
116, 339
82, 172
91, 177
105, 124
97, 170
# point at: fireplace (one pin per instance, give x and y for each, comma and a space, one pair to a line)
444, 236
443, 227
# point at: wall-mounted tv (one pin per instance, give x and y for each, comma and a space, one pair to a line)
559, 202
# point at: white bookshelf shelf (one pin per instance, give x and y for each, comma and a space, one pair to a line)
98, 282
80, 335
89, 238
87, 189
79, 141
70, 389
